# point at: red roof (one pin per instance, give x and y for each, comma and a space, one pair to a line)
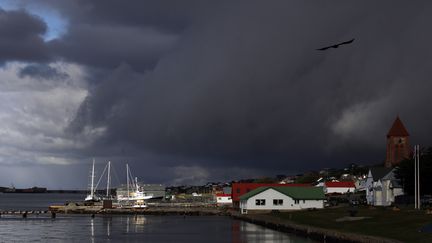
340, 184
222, 195
398, 129
238, 189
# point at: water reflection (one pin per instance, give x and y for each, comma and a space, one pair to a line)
246, 232
106, 222
127, 224
235, 232
139, 228
140, 220
256, 233
92, 230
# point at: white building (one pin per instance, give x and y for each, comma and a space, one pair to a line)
223, 199
282, 198
382, 187
339, 187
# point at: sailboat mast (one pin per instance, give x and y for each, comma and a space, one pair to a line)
92, 180
127, 179
108, 178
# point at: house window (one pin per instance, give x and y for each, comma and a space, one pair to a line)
248, 190
296, 201
229, 198
260, 202
304, 201
277, 202
238, 190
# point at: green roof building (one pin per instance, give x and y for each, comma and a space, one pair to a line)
265, 199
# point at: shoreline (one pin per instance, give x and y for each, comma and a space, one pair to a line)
266, 220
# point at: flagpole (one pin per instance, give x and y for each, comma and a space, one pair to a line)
415, 176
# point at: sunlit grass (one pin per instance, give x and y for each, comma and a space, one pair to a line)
402, 225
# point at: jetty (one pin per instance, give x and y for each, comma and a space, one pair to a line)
157, 209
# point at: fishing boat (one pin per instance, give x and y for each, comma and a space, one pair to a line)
135, 197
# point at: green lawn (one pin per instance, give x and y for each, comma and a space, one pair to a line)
401, 225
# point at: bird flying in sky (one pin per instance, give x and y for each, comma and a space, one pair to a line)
336, 45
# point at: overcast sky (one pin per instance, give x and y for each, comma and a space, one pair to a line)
193, 91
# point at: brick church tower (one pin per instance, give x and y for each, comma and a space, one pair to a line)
398, 147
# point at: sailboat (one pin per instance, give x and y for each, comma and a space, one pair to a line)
92, 196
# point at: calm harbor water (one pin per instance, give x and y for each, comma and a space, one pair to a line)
124, 228
36, 201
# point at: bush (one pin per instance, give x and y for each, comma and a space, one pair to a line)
353, 212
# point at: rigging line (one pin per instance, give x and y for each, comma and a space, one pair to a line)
131, 178
115, 174
100, 178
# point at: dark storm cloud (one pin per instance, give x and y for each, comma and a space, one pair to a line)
109, 46
199, 87
246, 86
42, 71
168, 15
103, 35
21, 37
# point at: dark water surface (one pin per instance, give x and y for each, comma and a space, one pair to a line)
36, 201
123, 228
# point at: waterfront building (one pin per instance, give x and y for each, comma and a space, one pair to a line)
398, 147
339, 187
267, 199
382, 187
223, 199
239, 189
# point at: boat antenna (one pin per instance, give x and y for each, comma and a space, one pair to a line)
108, 179
92, 180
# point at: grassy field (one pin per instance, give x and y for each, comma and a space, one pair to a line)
402, 225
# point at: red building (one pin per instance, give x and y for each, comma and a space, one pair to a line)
398, 147
339, 187
238, 189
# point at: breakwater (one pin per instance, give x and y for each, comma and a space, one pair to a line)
75, 209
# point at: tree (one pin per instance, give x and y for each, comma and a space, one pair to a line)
309, 177
405, 172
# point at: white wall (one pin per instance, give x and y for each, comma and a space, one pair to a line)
288, 203
386, 196
369, 189
223, 200
341, 190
